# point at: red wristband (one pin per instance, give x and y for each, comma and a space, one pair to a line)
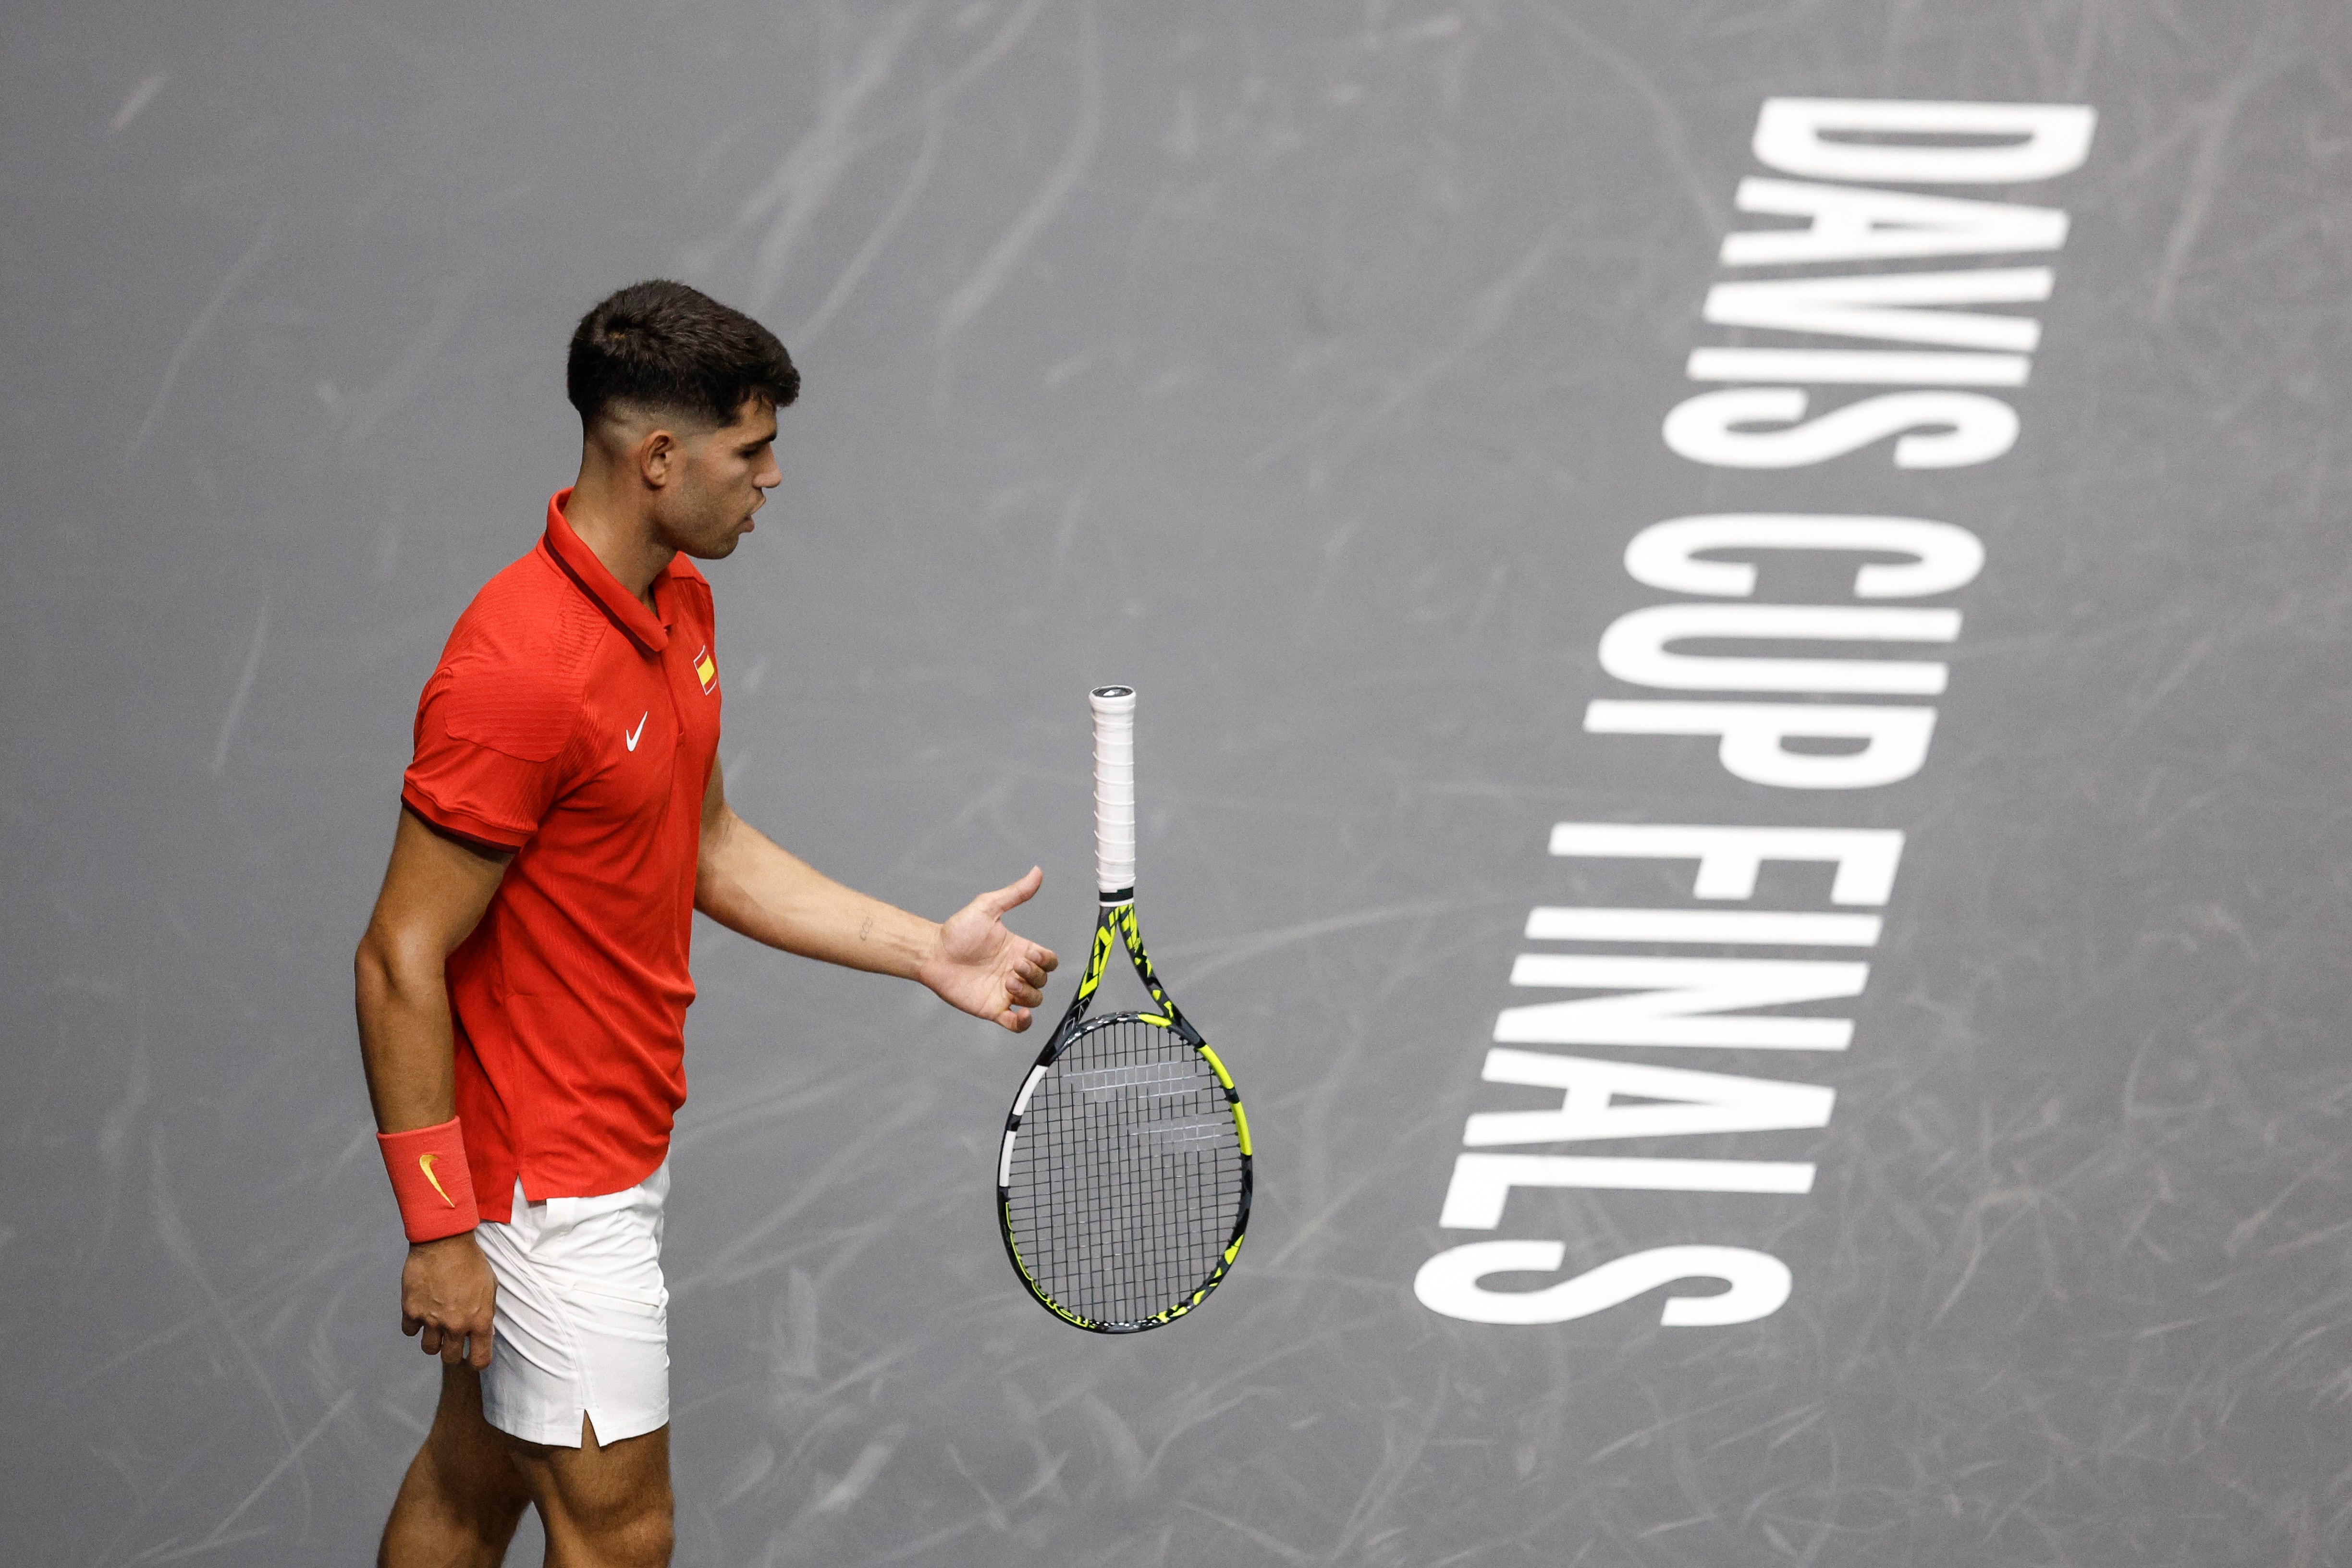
431, 1179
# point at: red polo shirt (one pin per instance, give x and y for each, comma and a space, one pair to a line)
571, 725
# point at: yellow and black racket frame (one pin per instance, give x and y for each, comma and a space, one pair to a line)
1115, 926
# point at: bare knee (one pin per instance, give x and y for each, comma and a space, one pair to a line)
619, 1532
605, 1505
644, 1539
440, 1519
480, 1488
463, 1495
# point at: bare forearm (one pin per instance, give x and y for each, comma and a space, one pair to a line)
435, 891
405, 1042
749, 884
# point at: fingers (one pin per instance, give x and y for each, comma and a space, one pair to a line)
458, 1345
1011, 897
447, 1300
1014, 1018
1043, 957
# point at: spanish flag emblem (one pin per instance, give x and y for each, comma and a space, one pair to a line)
707, 669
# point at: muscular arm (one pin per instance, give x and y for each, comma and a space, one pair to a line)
433, 893
749, 884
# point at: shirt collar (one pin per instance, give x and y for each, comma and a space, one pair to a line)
579, 564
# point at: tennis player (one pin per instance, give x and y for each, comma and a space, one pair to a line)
523, 983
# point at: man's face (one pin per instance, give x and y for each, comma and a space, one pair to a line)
723, 477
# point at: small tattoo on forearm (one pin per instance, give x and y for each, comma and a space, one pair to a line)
867, 930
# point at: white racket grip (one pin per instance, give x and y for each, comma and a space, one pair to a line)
1113, 709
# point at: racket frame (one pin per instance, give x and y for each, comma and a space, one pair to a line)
1115, 926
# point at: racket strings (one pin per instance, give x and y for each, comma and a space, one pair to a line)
1125, 1176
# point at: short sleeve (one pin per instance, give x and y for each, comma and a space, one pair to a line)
492, 754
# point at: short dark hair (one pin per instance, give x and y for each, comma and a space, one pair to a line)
663, 346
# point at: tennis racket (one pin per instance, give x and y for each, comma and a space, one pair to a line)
1124, 1185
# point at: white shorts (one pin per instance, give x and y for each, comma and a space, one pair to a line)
583, 1316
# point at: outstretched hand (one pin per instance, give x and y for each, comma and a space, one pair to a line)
983, 967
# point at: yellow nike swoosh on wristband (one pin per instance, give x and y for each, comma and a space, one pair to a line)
425, 1164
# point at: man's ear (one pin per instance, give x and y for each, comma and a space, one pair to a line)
659, 453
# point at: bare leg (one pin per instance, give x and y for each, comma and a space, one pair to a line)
604, 1505
463, 1495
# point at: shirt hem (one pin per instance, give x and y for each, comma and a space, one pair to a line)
596, 1186
462, 825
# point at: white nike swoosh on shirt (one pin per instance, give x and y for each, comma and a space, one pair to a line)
640, 730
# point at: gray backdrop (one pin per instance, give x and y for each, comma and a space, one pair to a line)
1303, 365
